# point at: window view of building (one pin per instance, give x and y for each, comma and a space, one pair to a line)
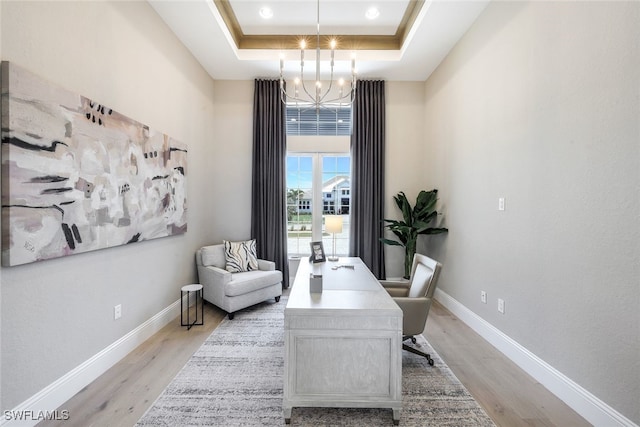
333, 195
335, 200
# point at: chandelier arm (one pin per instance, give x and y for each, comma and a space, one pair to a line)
285, 95
328, 91
348, 99
304, 87
318, 99
318, 86
283, 91
350, 96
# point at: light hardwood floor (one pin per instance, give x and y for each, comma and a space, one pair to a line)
511, 397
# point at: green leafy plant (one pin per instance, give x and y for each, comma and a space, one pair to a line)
293, 199
416, 221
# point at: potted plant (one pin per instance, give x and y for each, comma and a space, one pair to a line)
415, 222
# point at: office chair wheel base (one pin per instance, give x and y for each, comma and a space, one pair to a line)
430, 361
414, 340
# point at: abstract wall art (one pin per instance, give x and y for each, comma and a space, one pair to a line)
78, 176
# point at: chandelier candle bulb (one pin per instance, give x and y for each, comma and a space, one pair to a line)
333, 51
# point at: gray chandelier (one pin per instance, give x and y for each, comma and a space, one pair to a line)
317, 97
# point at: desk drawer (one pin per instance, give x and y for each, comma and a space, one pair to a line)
325, 322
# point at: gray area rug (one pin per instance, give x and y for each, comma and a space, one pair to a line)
236, 377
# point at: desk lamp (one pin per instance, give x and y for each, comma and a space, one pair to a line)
333, 224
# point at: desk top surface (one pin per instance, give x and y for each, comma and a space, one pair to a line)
343, 288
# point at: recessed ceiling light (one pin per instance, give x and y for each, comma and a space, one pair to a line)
266, 13
372, 13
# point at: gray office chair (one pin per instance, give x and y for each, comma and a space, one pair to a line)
414, 298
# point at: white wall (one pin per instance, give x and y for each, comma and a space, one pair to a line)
540, 103
58, 313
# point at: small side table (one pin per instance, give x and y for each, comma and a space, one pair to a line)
197, 290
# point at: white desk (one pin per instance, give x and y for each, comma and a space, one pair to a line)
343, 346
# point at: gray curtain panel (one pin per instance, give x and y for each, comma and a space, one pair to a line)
268, 198
367, 175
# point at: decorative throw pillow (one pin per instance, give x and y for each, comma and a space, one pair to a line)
241, 256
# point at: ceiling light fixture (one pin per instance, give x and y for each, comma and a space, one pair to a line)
317, 98
266, 13
372, 13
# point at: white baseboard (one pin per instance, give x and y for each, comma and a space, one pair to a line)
580, 400
46, 401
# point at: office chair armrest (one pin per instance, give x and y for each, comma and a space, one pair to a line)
414, 311
396, 289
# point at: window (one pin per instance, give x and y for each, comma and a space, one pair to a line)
302, 120
299, 180
316, 185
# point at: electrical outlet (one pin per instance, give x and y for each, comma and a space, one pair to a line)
483, 297
501, 203
117, 312
501, 305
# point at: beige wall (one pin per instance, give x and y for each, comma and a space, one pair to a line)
539, 103
406, 167
57, 314
231, 161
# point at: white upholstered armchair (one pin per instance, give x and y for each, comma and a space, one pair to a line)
235, 291
414, 298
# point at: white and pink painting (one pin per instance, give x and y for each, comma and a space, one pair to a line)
78, 176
